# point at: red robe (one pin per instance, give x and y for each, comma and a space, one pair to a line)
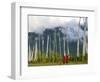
65, 59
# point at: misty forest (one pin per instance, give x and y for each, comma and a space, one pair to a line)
57, 40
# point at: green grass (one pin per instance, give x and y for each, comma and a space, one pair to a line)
56, 63
52, 64
56, 59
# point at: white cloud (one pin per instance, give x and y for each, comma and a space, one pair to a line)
39, 23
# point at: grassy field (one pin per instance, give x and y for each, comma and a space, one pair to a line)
53, 64
57, 60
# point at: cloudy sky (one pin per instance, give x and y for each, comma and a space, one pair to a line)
39, 23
